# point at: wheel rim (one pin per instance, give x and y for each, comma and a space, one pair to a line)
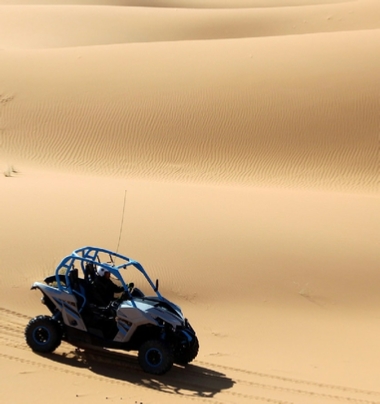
41, 335
154, 357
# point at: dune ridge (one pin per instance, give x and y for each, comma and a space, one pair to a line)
38, 26
209, 4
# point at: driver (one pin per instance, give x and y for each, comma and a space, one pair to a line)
103, 287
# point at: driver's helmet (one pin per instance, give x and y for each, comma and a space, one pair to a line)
101, 271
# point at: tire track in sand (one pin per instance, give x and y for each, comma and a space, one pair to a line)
201, 381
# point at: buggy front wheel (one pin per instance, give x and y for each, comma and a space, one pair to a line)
187, 352
155, 357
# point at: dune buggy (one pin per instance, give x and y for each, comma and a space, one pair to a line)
135, 321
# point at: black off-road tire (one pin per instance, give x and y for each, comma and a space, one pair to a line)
43, 334
187, 354
155, 357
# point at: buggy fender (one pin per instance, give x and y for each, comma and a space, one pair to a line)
64, 302
57, 296
128, 320
187, 335
36, 285
46, 289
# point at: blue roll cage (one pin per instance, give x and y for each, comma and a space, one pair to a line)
88, 254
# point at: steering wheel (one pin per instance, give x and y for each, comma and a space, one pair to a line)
126, 295
114, 305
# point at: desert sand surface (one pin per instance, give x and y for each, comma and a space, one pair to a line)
233, 148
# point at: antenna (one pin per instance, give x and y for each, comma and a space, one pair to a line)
122, 221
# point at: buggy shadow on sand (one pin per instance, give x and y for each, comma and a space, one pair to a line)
136, 321
190, 381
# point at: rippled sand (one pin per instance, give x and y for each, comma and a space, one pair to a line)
244, 137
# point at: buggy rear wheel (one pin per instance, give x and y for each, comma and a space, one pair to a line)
43, 334
155, 357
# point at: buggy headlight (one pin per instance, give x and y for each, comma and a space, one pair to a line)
163, 323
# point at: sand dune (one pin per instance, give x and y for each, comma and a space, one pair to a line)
70, 26
244, 136
279, 117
